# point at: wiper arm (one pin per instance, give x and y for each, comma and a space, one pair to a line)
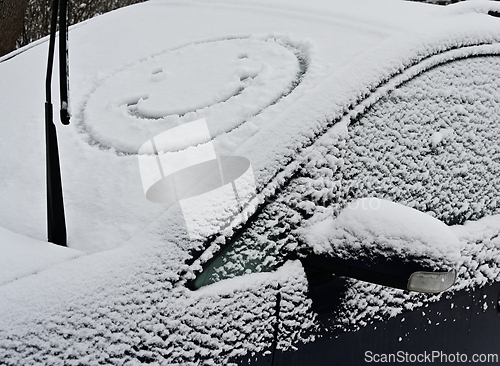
56, 223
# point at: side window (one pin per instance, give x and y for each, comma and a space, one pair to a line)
432, 144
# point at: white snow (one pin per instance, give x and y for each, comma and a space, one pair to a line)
226, 81
438, 136
279, 83
22, 256
384, 226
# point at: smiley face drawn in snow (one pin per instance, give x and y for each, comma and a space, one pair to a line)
225, 81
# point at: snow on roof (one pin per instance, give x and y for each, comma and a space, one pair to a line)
125, 301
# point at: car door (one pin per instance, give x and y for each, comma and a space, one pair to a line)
435, 134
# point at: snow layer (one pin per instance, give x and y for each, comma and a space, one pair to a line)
454, 179
23, 256
387, 151
380, 226
223, 81
158, 320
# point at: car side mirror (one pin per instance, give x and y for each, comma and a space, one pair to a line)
386, 243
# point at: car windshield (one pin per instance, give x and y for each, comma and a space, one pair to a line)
430, 144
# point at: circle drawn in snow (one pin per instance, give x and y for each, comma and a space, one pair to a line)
225, 82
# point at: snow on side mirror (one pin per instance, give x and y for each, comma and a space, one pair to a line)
387, 243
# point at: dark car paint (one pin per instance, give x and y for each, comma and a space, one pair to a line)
458, 323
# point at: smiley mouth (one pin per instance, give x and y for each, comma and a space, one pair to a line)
227, 82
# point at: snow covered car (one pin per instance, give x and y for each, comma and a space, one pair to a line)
268, 183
